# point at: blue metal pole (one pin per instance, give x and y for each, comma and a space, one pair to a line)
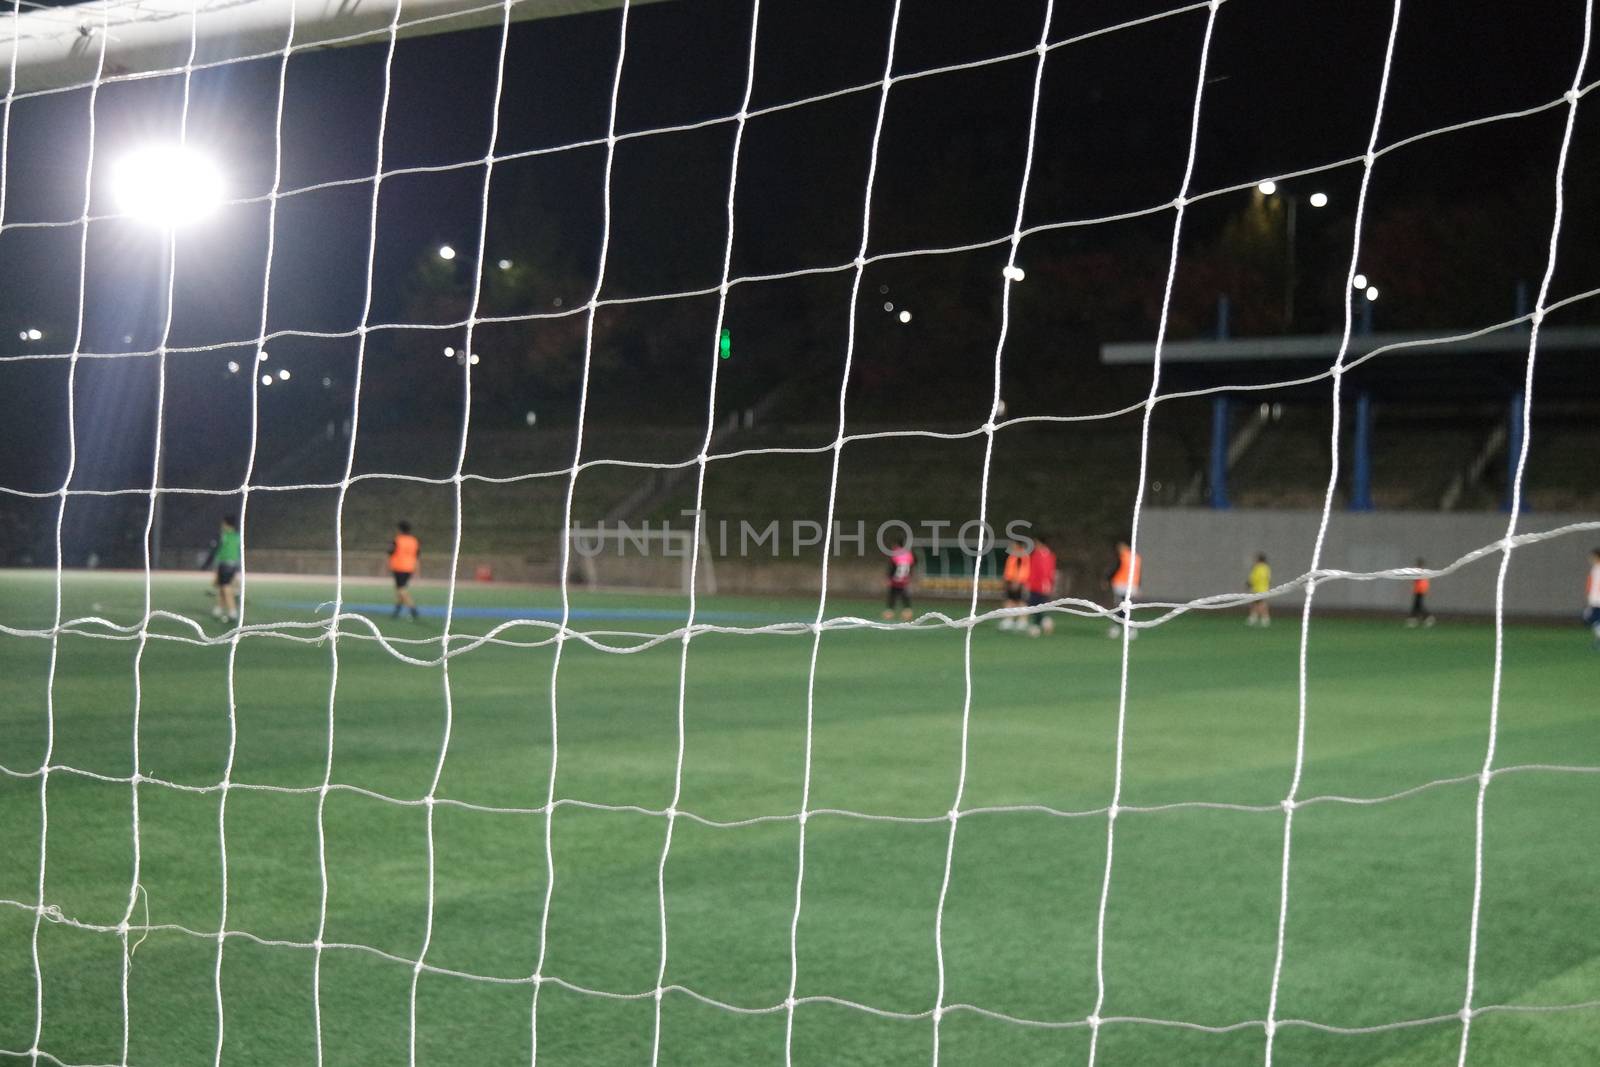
1219, 452
1222, 316
1513, 446
1361, 461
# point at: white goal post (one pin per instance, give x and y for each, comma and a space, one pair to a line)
625, 557
56, 47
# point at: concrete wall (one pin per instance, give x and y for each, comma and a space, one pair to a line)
1195, 552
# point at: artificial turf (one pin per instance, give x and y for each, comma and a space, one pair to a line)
1379, 894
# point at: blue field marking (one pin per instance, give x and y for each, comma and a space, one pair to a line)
554, 614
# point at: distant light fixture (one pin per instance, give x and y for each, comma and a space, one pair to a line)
505, 264
446, 252
888, 305
283, 375
233, 367
35, 335
266, 379
557, 302
1372, 292
1014, 273
167, 185
261, 357
905, 316
530, 418
473, 359
1319, 199
449, 352
1267, 188
1359, 282
23, 335
327, 383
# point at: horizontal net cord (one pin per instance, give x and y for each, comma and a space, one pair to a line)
846, 814
53, 914
819, 449
864, 259
972, 1009
317, 630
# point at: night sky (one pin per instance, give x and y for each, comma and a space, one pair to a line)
1291, 84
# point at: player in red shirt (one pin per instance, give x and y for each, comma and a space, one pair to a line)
901, 563
1420, 615
1041, 584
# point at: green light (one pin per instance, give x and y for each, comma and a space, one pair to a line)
725, 344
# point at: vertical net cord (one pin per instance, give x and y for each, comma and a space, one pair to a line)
1006, 284
1125, 609
334, 620
455, 546
697, 534
244, 509
1511, 528
827, 526
1336, 385
61, 515
562, 633
158, 462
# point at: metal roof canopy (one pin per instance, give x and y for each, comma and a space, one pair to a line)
1325, 347
59, 47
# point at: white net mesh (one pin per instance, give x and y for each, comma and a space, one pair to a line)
344, 631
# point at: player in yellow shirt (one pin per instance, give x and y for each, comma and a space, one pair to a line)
1259, 581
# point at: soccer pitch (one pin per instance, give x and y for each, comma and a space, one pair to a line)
1380, 893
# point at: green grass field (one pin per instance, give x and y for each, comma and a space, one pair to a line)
1379, 904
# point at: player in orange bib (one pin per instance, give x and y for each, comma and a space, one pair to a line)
1016, 581
1420, 615
403, 553
1591, 613
1124, 582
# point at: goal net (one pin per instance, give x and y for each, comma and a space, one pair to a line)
410, 319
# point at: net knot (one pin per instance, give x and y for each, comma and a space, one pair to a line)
1465, 1015
53, 913
953, 814
1113, 811
1570, 96
670, 812
1483, 778
1180, 202
1287, 804
1271, 1027
1093, 1021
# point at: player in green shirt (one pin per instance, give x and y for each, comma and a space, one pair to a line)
227, 553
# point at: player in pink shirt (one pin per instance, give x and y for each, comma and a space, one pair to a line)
901, 563
1041, 584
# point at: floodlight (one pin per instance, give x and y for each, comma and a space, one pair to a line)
1359, 282
266, 379
233, 367
905, 316
167, 185
283, 375
1319, 199
261, 357
35, 335
530, 418
1267, 188
1372, 292
449, 352
505, 264
446, 252
473, 359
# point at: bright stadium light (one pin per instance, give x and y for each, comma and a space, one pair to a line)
905, 316
283, 375
35, 335
888, 305
233, 367
473, 359
261, 357
1372, 292
1359, 282
446, 252
1319, 199
266, 379
1014, 273
168, 186
1267, 188
505, 264
530, 418
449, 352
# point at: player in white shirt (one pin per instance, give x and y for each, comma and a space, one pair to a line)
1591, 614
